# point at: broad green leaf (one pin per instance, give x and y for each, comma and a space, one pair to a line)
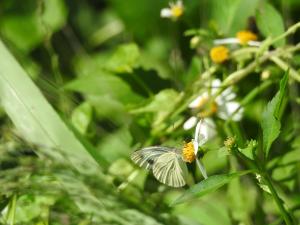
207, 186
38, 123
232, 15
104, 84
81, 117
270, 22
124, 59
270, 122
27, 30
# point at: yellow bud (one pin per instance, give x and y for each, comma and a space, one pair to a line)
219, 54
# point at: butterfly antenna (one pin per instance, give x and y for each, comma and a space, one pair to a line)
202, 168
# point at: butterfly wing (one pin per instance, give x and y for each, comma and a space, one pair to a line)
146, 157
170, 169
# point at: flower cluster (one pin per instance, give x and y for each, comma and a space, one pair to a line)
220, 53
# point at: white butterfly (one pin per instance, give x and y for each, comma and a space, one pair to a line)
168, 164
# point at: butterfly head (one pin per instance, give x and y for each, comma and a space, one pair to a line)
188, 152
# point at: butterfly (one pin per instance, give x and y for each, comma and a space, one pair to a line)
169, 164
166, 164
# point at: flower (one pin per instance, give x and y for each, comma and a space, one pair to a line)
201, 136
224, 106
174, 11
244, 37
190, 149
219, 54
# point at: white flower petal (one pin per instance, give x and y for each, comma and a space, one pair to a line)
166, 13
197, 101
229, 97
207, 131
238, 115
190, 123
196, 136
226, 96
226, 41
226, 110
215, 84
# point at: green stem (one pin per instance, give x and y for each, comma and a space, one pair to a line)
284, 66
289, 31
284, 213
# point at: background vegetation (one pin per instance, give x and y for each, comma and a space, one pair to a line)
85, 83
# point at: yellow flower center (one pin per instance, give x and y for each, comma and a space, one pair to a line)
245, 36
207, 108
188, 153
176, 10
211, 109
219, 54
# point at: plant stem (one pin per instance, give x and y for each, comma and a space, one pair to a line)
284, 213
284, 66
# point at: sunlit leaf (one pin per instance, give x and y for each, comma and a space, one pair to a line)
270, 22
81, 117
104, 84
232, 15
270, 122
124, 59
211, 184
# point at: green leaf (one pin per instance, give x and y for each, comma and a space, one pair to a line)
26, 30
104, 84
39, 124
270, 22
81, 117
249, 150
270, 118
232, 15
124, 59
207, 186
